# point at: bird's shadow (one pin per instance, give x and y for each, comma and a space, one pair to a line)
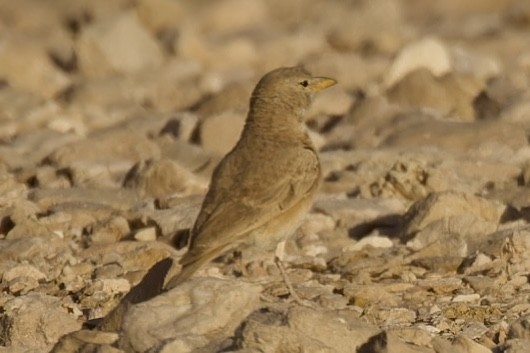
389, 225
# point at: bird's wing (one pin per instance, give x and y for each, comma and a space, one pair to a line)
236, 206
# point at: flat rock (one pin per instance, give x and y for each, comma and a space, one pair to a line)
449, 94
24, 62
445, 205
265, 331
39, 318
163, 178
189, 316
117, 45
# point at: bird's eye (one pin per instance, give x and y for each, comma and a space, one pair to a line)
304, 83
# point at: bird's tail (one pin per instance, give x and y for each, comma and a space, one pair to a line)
190, 264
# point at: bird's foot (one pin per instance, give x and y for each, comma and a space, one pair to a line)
290, 287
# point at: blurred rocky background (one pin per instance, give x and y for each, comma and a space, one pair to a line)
113, 114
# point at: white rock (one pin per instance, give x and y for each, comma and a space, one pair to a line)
146, 234
430, 53
375, 241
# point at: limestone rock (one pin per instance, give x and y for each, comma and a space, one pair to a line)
36, 321
429, 53
447, 205
26, 65
183, 316
162, 179
117, 45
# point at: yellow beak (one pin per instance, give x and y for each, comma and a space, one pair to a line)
319, 83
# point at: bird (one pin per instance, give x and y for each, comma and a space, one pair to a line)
261, 190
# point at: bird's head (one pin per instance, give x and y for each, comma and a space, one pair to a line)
289, 87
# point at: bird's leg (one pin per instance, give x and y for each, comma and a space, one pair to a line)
280, 250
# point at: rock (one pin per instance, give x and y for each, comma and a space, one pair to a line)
520, 329
350, 67
11, 190
448, 205
105, 200
373, 241
376, 26
465, 227
177, 214
162, 179
27, 276
166, 88
181, 126
331, 102
161, 15
449, 93
117, 45
26, 65
429, 53
305, 329
366, 295
517, 111
363, 127
110, 230
498, 94
218, 55
87, 340
515, 346
290, 50
30, 248
101, 295
410, 179
134, 258
36, 321
383, 342
397, 317
191, 157
75, 277
31, 148
103, 159
351, 212
145, 234
479, 66
220, 133
182, 317
217, 18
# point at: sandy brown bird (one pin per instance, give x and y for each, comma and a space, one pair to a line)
261, 189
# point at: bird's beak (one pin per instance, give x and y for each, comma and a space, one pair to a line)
320, 83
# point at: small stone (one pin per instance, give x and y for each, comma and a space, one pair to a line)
466, 298
397, 316
375, 241
27, 271
22, 285
145, 234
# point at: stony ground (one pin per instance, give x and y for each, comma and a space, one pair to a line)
114, 113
